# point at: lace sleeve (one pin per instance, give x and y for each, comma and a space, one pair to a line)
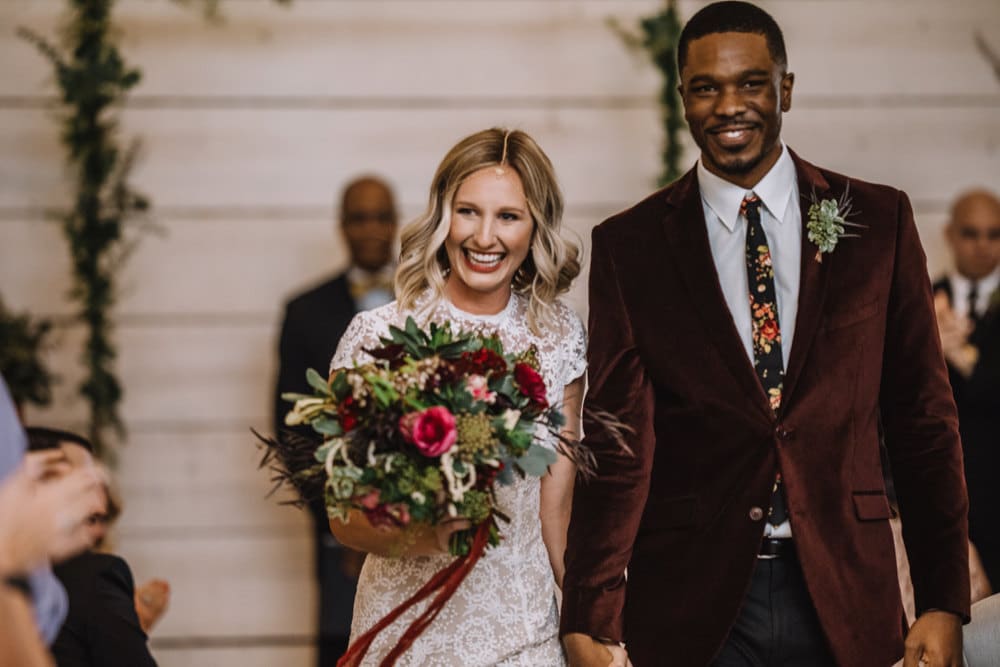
574, 362
363, 332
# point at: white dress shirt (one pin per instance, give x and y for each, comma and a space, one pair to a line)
781, 218
961, 286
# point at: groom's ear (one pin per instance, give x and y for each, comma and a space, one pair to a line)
787, 81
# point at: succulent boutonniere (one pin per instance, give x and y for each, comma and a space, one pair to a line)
828, 222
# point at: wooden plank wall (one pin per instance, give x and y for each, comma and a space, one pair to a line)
249, 128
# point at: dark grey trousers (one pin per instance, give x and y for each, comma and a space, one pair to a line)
777, 625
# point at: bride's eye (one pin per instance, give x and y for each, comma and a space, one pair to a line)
465, 210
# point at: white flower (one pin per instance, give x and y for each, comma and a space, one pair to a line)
510, 419
418, 497
304, 410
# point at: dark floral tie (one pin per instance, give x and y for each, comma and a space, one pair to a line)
766, 332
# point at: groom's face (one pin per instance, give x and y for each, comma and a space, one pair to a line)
734, 94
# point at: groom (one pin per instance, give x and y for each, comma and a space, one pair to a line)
757, 366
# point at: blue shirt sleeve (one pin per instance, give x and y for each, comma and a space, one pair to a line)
48, 595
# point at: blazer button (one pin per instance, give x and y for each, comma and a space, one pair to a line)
782, 432
756, 514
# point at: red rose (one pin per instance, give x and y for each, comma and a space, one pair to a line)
483, 361
769, 330
348, 417
432, 431
531, 384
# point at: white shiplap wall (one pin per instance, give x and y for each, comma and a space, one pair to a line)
250, 127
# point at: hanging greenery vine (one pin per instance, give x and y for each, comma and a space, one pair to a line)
93, 81
658, 37
22, 340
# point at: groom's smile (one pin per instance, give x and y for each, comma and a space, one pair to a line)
734, 93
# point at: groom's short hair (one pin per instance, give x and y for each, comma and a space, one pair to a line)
732, 17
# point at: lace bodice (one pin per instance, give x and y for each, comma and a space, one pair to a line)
505, 612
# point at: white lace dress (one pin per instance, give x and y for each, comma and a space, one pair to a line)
504, 613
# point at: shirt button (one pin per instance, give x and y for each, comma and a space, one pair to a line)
756, 514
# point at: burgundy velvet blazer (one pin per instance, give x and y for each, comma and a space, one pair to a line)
683, 513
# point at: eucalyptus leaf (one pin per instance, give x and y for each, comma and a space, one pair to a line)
327, 426
317, 382
536, 460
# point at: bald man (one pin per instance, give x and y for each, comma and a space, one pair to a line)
313, 324
968, 309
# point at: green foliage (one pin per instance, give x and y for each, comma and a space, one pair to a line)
659, 36
21, 343
93, 79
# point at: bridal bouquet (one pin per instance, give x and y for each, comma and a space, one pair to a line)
426, 431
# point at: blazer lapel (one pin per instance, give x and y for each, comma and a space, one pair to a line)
813, 278
687, 239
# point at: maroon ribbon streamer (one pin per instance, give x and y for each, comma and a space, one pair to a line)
446, 581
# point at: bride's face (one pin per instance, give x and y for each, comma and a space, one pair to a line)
489, 239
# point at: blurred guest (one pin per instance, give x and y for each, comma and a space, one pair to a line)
39, 519
152, 597
102, 628
313, 324
47, 595
968, 317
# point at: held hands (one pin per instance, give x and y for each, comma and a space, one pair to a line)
585, 651
934, 640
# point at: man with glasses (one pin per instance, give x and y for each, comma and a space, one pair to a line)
968, 313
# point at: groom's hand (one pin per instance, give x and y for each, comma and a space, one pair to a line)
585, 651
934, 640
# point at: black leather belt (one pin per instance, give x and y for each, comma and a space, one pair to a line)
773, 547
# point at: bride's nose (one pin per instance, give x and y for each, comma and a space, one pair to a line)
485, 232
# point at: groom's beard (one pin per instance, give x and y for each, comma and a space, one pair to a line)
741, 165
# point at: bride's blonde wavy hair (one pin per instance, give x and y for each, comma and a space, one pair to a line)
552, 262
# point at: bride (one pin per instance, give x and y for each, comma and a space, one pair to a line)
486, 256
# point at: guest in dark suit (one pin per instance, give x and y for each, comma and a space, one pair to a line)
754, 364
968, 309
102, 628
313, 324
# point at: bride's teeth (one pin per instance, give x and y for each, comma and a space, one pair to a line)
485, 258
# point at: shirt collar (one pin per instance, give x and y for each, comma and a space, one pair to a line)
774, 190
358, 276
985, 285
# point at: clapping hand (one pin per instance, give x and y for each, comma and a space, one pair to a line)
42, 517
954, 331
151, 600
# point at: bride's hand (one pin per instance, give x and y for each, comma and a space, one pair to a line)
434, 540
619, 656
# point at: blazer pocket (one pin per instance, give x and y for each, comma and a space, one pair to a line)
871, 505
845, 317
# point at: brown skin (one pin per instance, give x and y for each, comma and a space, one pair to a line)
973, 234
368, 221
731, 82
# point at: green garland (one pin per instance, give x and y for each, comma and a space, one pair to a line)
660, 34
21, 343
93, 80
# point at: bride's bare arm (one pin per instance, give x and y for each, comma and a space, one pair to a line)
557, 485
417, 539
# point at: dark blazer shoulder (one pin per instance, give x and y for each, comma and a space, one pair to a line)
324, 292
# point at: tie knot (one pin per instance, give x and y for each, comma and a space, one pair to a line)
750, 204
